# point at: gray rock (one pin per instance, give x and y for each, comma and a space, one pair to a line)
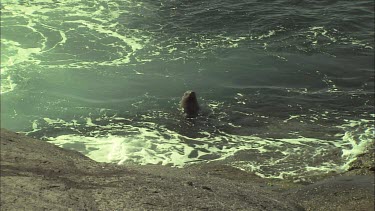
338, 193
36, 175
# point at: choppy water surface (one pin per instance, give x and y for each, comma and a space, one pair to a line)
286, 87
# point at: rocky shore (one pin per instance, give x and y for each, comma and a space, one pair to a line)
36, 175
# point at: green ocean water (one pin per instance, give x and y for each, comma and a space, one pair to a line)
286, 87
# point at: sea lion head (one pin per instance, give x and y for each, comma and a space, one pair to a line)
189, 104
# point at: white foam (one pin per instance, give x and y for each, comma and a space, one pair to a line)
7, 84
100, 22
360, 139
155, 144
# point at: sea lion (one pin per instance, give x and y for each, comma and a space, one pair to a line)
189, 104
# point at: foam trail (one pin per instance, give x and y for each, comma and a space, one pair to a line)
270, 158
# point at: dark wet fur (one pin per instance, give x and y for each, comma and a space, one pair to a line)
189, 104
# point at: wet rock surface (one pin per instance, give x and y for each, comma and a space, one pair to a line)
363, 165
36, 175
339, 193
